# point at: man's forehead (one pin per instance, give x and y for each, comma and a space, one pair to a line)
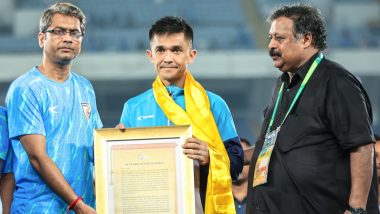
65, 21
281, 24
169, 40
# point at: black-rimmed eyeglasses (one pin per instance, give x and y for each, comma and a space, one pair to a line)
59, 32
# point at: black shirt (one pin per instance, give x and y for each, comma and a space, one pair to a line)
309, 170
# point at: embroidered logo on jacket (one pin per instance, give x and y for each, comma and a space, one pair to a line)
86, 110
145, 117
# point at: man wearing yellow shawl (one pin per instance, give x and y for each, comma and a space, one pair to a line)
177, 99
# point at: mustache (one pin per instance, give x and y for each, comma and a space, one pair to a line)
273, 52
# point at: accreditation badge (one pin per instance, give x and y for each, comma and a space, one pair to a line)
262, 163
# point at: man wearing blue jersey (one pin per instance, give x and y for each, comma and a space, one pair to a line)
7, 179
52, 114
177, 99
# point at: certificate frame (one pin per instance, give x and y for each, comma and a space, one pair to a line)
129, 161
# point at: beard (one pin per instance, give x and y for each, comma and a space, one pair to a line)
63, 61
64, 58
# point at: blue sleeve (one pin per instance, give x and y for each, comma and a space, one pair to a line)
23, 108
125, 116
8, 164
236, 155
227, 130
4, 137
97, 122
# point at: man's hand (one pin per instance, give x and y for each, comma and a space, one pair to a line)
197, 150
120, 126
82, 208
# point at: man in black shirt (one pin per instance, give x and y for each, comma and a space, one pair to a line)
315, 149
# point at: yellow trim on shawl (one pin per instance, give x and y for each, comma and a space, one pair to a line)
219, 197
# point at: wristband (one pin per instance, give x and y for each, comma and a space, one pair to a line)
357, 210
72, 204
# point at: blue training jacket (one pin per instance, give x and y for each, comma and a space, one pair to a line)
142, 111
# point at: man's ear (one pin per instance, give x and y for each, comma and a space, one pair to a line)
41, 39
307, 40
149, 54
192, 55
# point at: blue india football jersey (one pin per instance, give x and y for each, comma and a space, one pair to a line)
143, 110
66, 114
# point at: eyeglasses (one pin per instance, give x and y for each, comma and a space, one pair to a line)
59, 32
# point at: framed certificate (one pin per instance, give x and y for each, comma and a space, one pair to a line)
143, 170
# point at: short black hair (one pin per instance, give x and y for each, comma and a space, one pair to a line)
171, 25
63, 8
306, 19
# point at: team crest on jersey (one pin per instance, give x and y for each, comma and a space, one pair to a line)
86, 110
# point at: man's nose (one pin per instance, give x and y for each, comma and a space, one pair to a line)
67, 37
168, 57
271, 44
